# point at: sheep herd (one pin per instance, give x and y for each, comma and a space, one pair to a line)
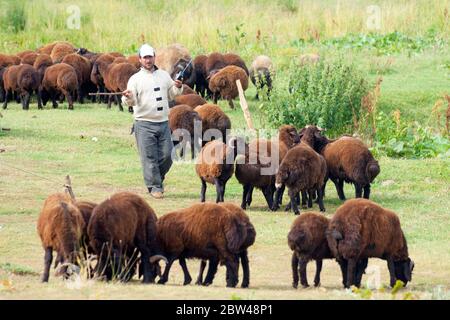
123, 232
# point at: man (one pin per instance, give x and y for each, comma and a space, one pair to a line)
149, 92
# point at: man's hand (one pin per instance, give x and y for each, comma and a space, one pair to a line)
127, 93
178, 83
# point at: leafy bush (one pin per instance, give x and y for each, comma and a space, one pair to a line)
324, 94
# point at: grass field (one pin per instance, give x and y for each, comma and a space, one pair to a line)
43, 146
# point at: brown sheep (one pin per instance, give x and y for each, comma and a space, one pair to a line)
83, 68
188, 90
183, 117
249, 241
59, 78
6, 61
213, 64
42, 62
119, 225
361, 229
116, 54
215, 165
232, 59
116, 79
60, 227
21, 54
47, 49
99, 71
223, 83
29, 58
10, 84
15, 59
134, 60
167, 58
60, 50
28, 81
302, 170
215, 122
120, 60
348, 159
192, 100
206, 231
201, 84
261, 74
308, 241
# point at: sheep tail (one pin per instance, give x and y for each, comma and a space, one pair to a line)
333, 237
235, 235
372, 170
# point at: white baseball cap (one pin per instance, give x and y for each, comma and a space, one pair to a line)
146, 50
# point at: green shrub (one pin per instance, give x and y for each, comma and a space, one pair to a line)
14, 18
324, 94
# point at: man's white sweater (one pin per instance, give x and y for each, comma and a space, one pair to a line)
151, 92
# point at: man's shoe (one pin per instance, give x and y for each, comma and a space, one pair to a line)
157, 194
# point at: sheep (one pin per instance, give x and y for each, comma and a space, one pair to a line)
117, 77
21, 54
168, 57
29, 58
302, 169
28, 81
134, 60
249, 241
184, 70
120, 60
232, 59
309, 58
60, 50
15, 59
6, 61
10, 84
201, 84
119, 225
99, 70
205, 231
42, 62
62, 78
188, 90
223, 83
361, 229
213, 64
116, 54
183, 117
47, 49
262, 150
192, 100
214, 120
215, 165
261, 73
308, 241
348, 159
60, 227
82, 67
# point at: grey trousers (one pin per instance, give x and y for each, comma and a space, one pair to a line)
155, 148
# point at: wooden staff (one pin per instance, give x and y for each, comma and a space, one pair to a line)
68, 187
244, 105
104, 93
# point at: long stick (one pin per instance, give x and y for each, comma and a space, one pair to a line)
104, 93
68, 187
244, 105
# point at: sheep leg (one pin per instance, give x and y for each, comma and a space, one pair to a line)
339, 183
200, 272
318, 270
358, 190
230, 103
351, 264
39, 98
310, 198
391, 268
367, 191
222, 193
26, 101
7, 96
320, 199
192, 148
187, 276
245, 269
343, 265
109, 101
53, 97
293, 202
119, 102
232, 265
249, 196
302, 268
245, 195
304, 199
165, 275
48, 257
280, 195
16, 96
267, 195
215, 97
360, 268
212, 270
295, 270
219, 186
203, 191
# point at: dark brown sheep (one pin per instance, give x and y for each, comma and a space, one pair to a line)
99, 71
119, 225
205, 231
21, 54
6, 60
243, 255
47, 49
184, 70
60, 50
261, 74
213, 64
10, 84
192, 100
116, 79
83, 68
232, 59
28, 81
223, 83
134, 60
42, 62
361, 229
59, 78
16, 60
215, 165
29, 58
187, 90
60, 227
348, 160
201, 84
308, 241
215, 122
183, 117
302, 170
